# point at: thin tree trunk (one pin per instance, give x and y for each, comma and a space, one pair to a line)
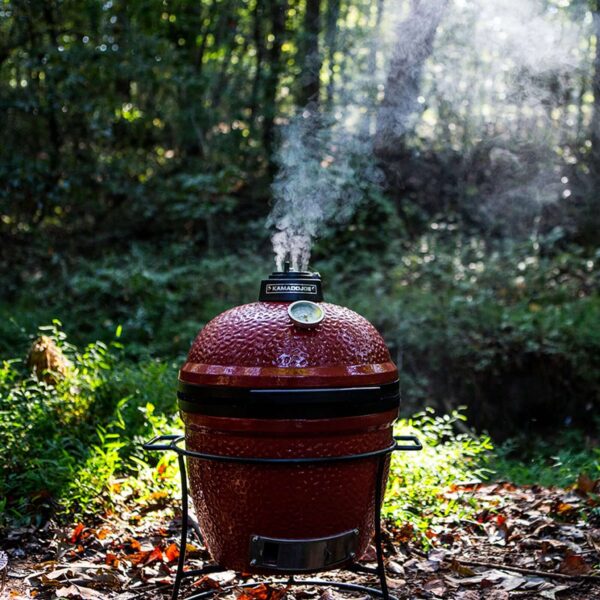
333, 13
278, 9
259, 43
372, 89
308, 92
414, 44
595, 124
56, 140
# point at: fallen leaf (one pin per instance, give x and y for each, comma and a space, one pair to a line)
134, 545
262, 592
138, 557
111, 560
585, 484
462, 570
76, 533
370, 554
405, 533
396, 568
155, 555
436, 587
551, 593
172, 553
77, 591
207, 582
574, 564
512, 583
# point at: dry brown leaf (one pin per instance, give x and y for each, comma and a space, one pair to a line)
585, 484
435, 587
207, 582
172, 553
370, 554
405, 534
462, 570
574, 564
111, 560
78, 591
394, 567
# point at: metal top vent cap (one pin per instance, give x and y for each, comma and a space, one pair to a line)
290, 286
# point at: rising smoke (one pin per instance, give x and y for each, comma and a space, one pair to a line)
496, 67
321, 178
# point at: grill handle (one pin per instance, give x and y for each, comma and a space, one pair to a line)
157, 442
169, 442
415, 445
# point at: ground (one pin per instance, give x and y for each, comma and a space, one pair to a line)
524, 542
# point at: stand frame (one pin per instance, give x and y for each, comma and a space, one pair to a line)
171, 443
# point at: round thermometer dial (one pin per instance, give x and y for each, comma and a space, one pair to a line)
305, 313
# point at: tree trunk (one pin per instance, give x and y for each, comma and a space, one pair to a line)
333, 14
308, 92
414, 44
259, 44
278, 9
595, 123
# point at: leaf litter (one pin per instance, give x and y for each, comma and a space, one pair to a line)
524, 542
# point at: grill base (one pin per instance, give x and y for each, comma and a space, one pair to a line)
170, 442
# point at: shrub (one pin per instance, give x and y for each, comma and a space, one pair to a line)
64, 444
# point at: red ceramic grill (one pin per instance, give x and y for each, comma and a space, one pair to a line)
288, 405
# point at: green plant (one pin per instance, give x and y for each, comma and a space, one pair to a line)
537, 461
418, 480
66, 443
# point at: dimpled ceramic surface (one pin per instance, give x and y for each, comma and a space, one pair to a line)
257, 345
236, 501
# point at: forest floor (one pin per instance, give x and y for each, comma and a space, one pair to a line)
525, 542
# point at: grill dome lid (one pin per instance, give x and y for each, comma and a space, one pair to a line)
259, 345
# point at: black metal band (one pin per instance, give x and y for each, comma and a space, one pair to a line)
307, 403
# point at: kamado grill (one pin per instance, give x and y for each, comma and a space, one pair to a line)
288, 405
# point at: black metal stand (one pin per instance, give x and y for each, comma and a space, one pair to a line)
171, 442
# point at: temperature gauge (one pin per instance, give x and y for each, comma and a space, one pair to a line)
305, 313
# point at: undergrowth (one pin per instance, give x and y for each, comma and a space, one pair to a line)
538, 461
418, 480
65, 443
72, 448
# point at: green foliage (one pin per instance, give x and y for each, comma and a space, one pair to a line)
419, 480
64, 444
159, 299
511, 331
74, 448
556, 461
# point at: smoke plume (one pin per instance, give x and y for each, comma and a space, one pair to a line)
471, 75
320, 180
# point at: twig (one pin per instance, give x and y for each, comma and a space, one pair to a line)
489, 565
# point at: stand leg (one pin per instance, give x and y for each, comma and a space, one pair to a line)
184, 528
385, 594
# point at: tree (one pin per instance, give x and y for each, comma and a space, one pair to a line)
414, 44
310, 58
595, 123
